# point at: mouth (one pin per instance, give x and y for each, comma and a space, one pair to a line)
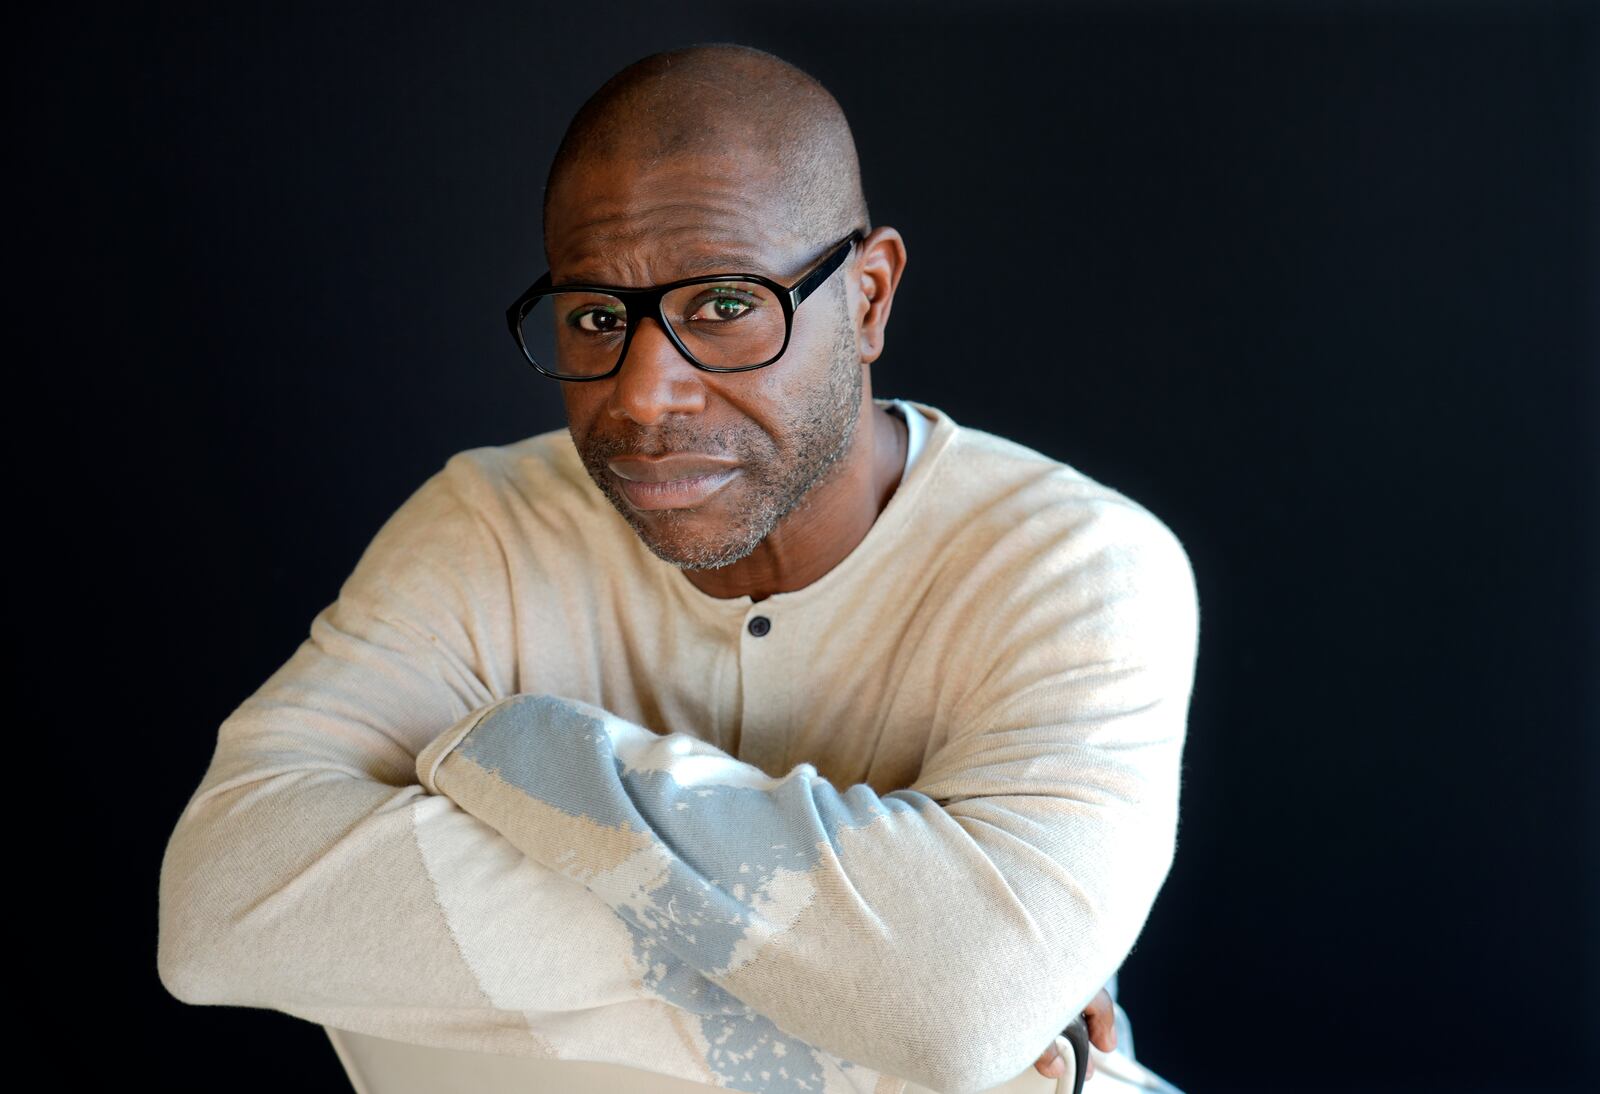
679, 480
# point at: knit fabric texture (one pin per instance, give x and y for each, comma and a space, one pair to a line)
526, 790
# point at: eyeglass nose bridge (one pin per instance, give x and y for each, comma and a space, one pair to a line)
642, 304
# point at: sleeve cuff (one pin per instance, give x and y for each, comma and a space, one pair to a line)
429, 759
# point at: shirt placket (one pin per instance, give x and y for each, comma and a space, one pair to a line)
764, 729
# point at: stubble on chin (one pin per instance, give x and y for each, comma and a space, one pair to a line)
670, 533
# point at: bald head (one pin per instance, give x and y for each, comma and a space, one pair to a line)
717, 100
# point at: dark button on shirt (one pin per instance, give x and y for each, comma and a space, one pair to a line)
760, 625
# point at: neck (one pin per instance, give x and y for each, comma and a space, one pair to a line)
830, 520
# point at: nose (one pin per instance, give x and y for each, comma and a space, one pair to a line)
655, 378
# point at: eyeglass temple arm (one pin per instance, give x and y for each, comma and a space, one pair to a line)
817, 276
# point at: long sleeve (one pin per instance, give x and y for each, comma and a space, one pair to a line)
943, 932
311, 874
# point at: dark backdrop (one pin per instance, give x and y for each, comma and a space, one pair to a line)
1315, 282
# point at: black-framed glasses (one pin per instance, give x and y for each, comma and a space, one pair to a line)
719, 322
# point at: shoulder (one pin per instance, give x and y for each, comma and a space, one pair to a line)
1065, 602
1024, 507
537, 480
490, 504
546, 463
1029, 542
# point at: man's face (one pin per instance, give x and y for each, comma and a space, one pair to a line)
774, 432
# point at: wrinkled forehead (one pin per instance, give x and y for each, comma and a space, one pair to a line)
636, 222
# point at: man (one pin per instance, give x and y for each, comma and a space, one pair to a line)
859, 731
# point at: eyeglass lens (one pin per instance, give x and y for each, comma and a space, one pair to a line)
724, 324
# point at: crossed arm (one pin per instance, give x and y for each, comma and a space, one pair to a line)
943, 943
941, 933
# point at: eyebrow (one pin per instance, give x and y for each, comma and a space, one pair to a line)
692, 267
724, 263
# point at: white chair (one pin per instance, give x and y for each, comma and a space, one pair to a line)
379, 1066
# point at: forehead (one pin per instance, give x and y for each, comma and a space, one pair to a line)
637, 223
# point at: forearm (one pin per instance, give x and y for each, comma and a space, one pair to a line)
940, 944
310, 874
302, 883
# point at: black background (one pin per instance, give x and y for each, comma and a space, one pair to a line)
1317, 283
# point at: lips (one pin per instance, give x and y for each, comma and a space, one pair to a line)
673, 465
678, 480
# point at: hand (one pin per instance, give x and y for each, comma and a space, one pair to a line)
1101, 1020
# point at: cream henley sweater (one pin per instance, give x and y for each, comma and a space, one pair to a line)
526, 790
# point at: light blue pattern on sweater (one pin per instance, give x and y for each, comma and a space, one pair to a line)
705, 906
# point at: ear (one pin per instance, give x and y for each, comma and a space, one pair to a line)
875, 272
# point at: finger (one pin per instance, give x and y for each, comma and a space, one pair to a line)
1100, 1017
1050, 1064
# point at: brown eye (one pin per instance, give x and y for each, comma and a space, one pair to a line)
598, 320
721, 306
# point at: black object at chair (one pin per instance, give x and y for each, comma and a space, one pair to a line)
1077, 1035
